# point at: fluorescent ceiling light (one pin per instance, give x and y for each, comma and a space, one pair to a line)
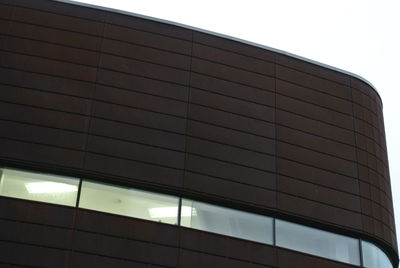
49, 187
169, 212
188, 211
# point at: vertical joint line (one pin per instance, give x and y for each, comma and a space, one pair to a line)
83, 163
188, 109
78, 195
361, 252
274, 231
92, 98
357, 164
186, 146
179, 211
276, 164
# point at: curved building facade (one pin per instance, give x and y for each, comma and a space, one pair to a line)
131, 142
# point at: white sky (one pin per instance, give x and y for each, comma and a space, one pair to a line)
360, 36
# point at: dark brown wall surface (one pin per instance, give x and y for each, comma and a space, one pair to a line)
124, 99
80, 238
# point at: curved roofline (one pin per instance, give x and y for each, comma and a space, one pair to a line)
75, 2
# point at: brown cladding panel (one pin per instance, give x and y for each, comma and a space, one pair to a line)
47, 155
378, 229
378, 219
230, 190
139, 117
146, 25
230, 171
145, 69
52, 51
227, 161
84, 260
368, 224
56, 36
317, 176
232, 89
5, 24
232, 105
6, 11
316, 143
231, 137
152, 40
316, 159
13, 266
48, 66
42, 135
365, 89
122, 248
314, 127
231, 121
126, 227
139, 52
363, 128
3, 38
43, 117
54, 20
314, 112
31, 256
193, 259
34, 234
313, 69
61, 9
318, 193
43, 99
35, 212
46, 83
227, 247
287, 258
361, 99
230, 45
232, 74
231, 154
120, 169
365, 114
233, 59
318, 211
133, 133
134, 101
142, 84
314, 96
141, 101
313, 82
135, 152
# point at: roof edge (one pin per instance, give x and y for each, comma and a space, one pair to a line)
327, 66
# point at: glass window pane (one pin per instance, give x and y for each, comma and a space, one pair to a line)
317, 242
374, 256
39, 187
226, 221
129, 202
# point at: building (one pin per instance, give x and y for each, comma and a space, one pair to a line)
131, 142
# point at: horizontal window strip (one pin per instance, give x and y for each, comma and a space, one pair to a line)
171, 209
